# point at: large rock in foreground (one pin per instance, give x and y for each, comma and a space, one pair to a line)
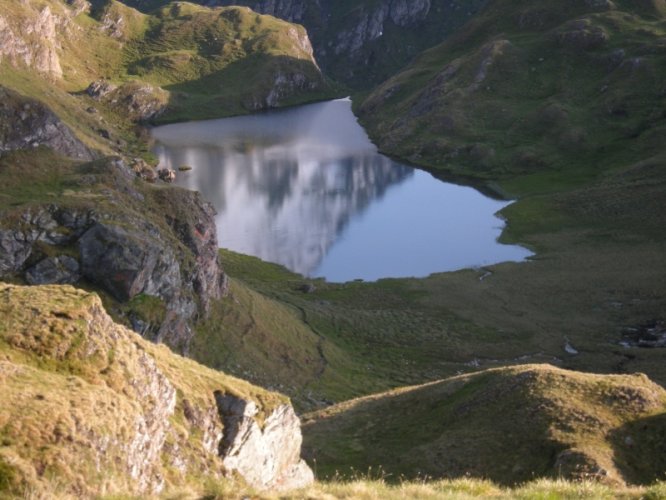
268, 457
90, 405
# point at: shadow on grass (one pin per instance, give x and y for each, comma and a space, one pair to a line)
254, 83
640, 447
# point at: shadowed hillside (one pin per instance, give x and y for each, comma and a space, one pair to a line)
555, 89
361, 43
509, 425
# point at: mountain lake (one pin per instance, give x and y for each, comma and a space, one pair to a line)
304, 187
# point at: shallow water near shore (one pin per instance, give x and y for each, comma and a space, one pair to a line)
304, 187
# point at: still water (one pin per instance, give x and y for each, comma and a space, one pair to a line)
305, 187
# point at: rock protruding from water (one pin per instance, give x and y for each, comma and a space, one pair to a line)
26, 123
268, 457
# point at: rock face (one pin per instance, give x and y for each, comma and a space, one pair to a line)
137, 101
136, 412
283, 86
126, 262
57, 270
27, 123
349, 39
295, 11
33, 42
171, 256
268, 458
368, 24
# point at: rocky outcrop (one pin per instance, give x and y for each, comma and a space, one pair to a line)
126, 262
100, 89
267, 458
581, 34
363, 43
362, 25
283, 85
295, 11
170, 255
32, 41
145, 417
368, 24
60, 270
27, 123
166, 175
138, 101
192, 221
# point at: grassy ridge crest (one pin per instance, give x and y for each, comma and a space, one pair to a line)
509, 425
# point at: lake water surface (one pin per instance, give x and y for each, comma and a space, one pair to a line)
305, 187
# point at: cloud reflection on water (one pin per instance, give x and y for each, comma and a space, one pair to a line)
300, 185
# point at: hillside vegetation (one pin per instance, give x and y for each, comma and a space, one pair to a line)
183, 62
346, 340
362, 43
509, 425
458, 374
555, 92
92, 406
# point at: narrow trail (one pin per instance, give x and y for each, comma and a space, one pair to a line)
320, 342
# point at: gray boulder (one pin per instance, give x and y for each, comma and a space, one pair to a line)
26, 123
58, 270
126, 262
15, 248
99, 89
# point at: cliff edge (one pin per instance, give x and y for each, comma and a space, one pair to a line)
90, 404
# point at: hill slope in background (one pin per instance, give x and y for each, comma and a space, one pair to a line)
361, 43
184, 61
509, 425
567, 88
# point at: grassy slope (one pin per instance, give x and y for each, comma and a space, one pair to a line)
72, 396
595, 274
327, 20
553, 93
217, 62
213, 62
508, 425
